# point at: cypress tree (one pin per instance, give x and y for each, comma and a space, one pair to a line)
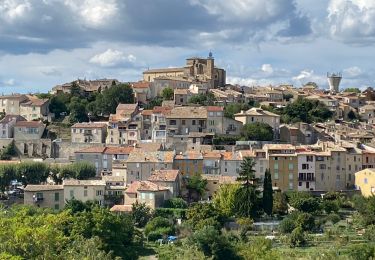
267, 193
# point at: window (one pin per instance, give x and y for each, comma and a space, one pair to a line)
290, 176
337, 177
322, 166
226, 170
211, 113
151, 196
309, 158
275, 158
57, 196
350, 167
291, 166
143, 195
172, 122
99, 193
81, 156
193, 122
276, 166
71, 193
57, 206
276, 176
183, 122
291, 185
305, 166
300, 183
39, 195
365, 180
84, 193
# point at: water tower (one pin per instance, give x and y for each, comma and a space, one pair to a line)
334, 80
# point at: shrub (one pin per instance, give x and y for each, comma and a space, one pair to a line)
176, 203
370, 233
287, 225
330, 206
334, 218
170, 212
297, 238
297, 219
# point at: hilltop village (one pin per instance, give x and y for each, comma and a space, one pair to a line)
182, 144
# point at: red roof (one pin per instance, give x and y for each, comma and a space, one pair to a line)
144, 186
147, 112
141, 84
29, 124
164, 175
119, 150
215, 108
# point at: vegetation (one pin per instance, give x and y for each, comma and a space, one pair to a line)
355, 90
234, 108
267, 193
305, 110
258, 131
8, 152
81, 106
167, 93
196, 187
203, 99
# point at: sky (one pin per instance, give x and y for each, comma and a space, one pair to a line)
258, 42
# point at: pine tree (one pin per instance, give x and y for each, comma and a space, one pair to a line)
247, 197
267, 193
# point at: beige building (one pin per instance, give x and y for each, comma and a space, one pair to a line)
89, 133
196, 69
7, 125
217, 123
85, 190
10, 104
214, 182
45, 196
28, 130
367, 112
35, 109
141, 164
365, 182
146, 192
170, 179
254, 115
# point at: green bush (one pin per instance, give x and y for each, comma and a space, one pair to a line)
330, 206
160, 233
287, 225
170, 212
159, 225
297, 238
333, 217
370, 233
176, 203
297, 219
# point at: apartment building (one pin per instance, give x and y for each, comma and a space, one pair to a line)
125, 126
159, 124
85, 190
35, 109
7, 125
146, 192
254, 115
306, 171
183, 120
170, 179
140, 164
217, 123
45, 196
28, 130
365, 182
94, 133
211, 162
10, 104
189, 163
231, 163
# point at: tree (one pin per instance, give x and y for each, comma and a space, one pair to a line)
175, 203
119, 94
258, 131
196, 187
75, 90
354, 90
32, 172
267, 193
352, 115
203, 214
213, 244
247, 196
167, 93
77, 110
58, 104
207, 99
8, 152
234, 108
280, 203
7, 174
141, 214
158, 227
224, 199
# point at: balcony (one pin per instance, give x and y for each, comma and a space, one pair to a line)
304, 178
231, 129
88, 132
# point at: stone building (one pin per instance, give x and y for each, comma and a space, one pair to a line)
202, 69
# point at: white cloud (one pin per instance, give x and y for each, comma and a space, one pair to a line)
352, 20
11, 10
111, 58
9, 82
309, 76
267, 68
352, 72
95, 13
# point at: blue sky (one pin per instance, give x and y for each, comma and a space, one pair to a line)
258, 42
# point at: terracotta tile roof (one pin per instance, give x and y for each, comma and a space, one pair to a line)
131, 107
29, 124
212, 155
164, 175
279, 147
109, 178
189, 155
141, 84
94, 149
256, 112
35, 102
89, 125
232, 156
162, 110
146, 112
118, 150
73, 182
9, 118
33, 188
247, 153
188, 112
144, 186
122, 208
156, 157
215, 108
148, 147
181, 91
